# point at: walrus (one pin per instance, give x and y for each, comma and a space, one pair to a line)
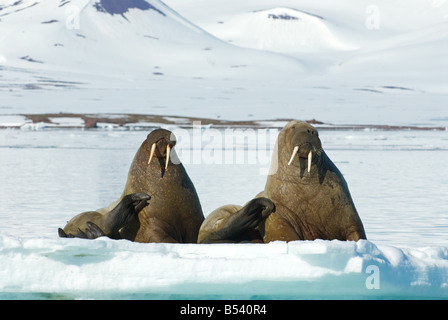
311, 196
174, 214
234, 223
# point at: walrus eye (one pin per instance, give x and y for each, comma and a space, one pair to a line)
151, 154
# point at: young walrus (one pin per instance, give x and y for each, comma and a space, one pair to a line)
232, 223
174, 214
93, 224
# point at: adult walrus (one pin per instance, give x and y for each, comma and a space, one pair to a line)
311, 196
174, 213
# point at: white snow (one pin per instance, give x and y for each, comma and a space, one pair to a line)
345, 62
13, 121
68, 122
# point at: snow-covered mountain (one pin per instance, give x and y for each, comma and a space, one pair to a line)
230, 60
376, 42
113, 37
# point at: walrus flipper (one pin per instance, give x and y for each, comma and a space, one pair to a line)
62, 234
124, 213
91, 232
240, 226
251, 215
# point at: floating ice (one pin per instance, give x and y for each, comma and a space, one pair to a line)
103, 268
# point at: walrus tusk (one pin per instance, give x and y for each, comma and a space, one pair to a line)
294, 152
153, 148
168, 149
310, 157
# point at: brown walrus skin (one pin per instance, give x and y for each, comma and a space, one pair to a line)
174, 213
309, 205
232, 223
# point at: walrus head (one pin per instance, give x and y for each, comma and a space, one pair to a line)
160, 142
302, 141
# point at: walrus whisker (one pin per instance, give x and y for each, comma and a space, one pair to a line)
310, 158
168, 149
151, 154
294, 152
